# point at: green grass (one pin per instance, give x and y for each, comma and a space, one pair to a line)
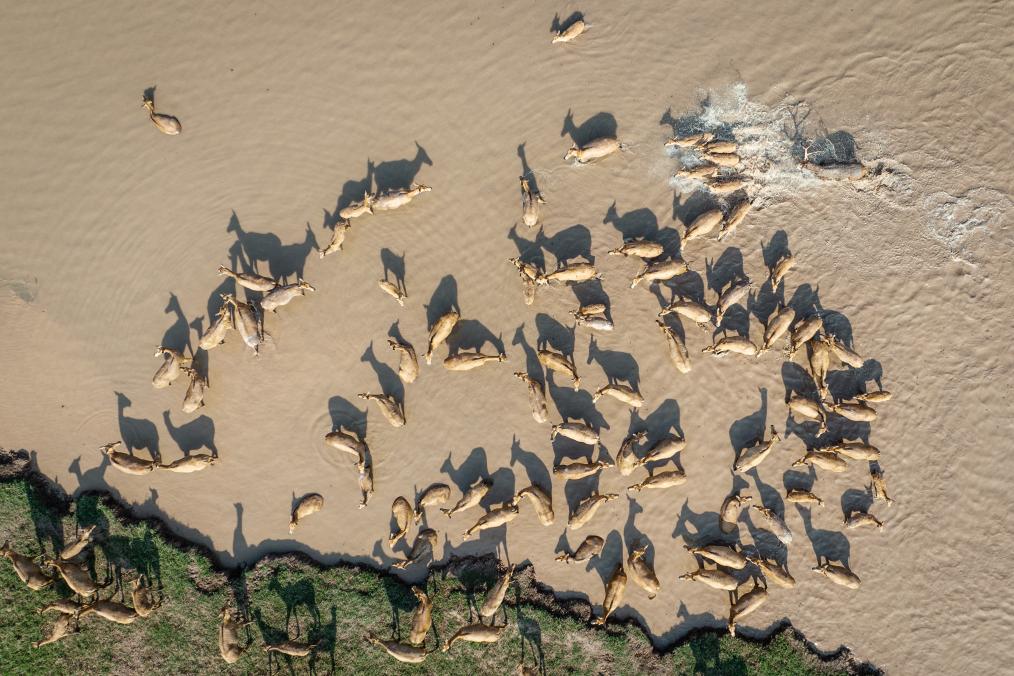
289, 597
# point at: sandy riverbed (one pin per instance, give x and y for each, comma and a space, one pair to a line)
112, 233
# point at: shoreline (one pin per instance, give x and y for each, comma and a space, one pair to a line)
17, 465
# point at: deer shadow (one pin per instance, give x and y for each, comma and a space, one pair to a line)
194, 435
722, 274
88, 512
665, 419
707, 651
552, 334
763, 303
346, 415
93, 479
381, 558
468, 471
228, 285
838, 325
591, 292
725, 270
529, 251
283, 261
827, 545
768, 299
577, 490
618, 366
631, 534
270, 635
395, 333
805, 301
705, 657
296, 595
689, 285
559, 24
686, 210
352, 191
390, 383
240, 547
697, 529
177, 336
775, 249
569, 449
839, 428
633, 224
47, 523
799, 479
611, 556
765, 542
398, 174
325, 636
806, 431
798, 381
136, 433
847, 383
767, 495
568, 244
470, 334
443, 300
526, 171
503, 490
401, 601
750, 429
215, 302
574, 404
856, 500
535, 468
659, 424
394, 266
529, 634
133, 551
674, 323
599, 125
475, 467
533, 367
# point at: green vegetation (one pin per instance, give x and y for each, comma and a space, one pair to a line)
288, 597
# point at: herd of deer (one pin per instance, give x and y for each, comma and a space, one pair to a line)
714, 166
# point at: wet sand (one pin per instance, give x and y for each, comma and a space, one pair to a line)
112, 235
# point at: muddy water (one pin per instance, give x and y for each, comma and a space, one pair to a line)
112, 234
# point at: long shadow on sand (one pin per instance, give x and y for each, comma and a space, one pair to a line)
390, 383
562, 24
194, 435
619, 367
599, 125
642, 223
535, 468
443, 300
346, 415
397, 174
177, 336
266, 255
136, 433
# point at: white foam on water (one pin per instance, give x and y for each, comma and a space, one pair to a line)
954, 219
770, 142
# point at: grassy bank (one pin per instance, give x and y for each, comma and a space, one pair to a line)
291, 597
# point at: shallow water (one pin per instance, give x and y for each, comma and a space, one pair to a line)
113, 232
